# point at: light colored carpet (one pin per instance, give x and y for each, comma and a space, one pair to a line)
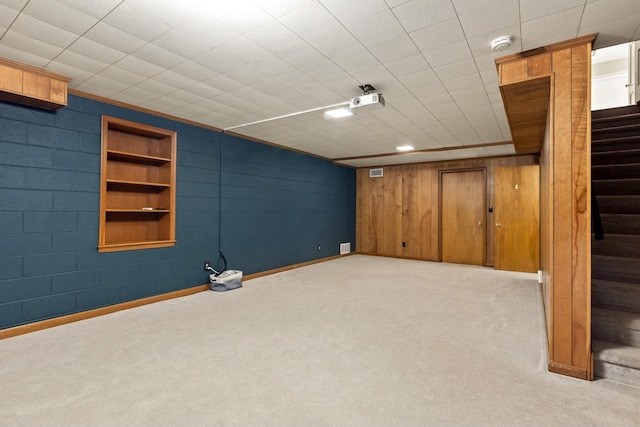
358, 341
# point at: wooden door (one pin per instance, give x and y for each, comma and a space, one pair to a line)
517, 218
463, 216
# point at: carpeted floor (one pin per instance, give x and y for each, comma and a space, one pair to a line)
358, 341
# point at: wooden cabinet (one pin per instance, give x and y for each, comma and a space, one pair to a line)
31, 86
137, 193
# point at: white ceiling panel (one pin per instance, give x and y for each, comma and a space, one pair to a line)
430, 58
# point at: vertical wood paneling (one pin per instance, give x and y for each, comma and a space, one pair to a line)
403, 206
581, 217
562, 324
513, 71
565, 204
539, 65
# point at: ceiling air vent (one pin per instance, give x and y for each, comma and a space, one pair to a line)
375, 173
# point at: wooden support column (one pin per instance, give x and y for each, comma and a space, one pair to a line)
547, 96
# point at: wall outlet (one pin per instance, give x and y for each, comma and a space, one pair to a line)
207, 265
319, 247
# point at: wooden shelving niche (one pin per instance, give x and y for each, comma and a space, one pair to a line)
138, 184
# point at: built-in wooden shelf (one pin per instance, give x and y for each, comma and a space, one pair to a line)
31, 86
137, 195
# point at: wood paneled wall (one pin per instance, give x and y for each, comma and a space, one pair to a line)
403, 206
565, 197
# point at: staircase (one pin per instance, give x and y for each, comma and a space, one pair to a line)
615, 261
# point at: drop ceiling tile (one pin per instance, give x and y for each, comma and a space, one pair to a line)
113, 86
28, 44
138, 66
278, 8
94, 50
417, 14
180, 97
156, 87
352, 63
456, 69
194, 71
95, 90
531, 9
455, 52
407, 65
156, 55
170, 12
117, 39
81, 62
601, 11
396, 48
78, 75
275, 37
354, 10
121, 75
195, 36
376, 28
488, 17
481, 44
311, 20
173, 79
613, 33
60, 15
39, 30
22, 56
547, 29
438, 35
7, 16
463, 82
136, 22
223, 83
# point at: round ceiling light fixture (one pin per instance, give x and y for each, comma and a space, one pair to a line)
501, 43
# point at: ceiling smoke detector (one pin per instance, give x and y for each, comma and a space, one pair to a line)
501, 43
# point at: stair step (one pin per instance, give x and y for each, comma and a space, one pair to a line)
616, 131
614, 112
616, 362
601, 143
615, 295
624, 171
617, 269
622, 245
611, 187
621, 120
615, 157
620, 223
615, 326
619, 204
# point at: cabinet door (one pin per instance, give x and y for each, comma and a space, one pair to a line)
517, 218
463, 217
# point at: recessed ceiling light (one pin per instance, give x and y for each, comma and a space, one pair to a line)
338, 113
501, 43
405, 148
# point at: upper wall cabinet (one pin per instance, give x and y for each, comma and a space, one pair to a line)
137, 186
31, 86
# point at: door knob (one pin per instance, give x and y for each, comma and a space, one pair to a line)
479, 223
498, 224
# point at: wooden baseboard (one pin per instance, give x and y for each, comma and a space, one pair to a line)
70, 318
570, 371
75, 317
292, 267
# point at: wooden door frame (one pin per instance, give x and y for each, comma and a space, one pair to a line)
441, 172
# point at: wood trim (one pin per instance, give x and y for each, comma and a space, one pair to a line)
141, 109
293, 266
75, 317
427, 150
583, 40
570, 371
40, 71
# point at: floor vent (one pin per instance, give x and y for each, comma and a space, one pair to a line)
345, 248
376, 173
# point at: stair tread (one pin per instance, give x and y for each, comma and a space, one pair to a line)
617, 354
617, 318
621, 116
617, 128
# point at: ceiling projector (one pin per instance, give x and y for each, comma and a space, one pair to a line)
367, 99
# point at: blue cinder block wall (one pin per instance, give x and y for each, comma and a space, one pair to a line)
263, 206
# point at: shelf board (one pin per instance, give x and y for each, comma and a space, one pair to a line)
144, 211
136, 157
137, 183
129, 246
